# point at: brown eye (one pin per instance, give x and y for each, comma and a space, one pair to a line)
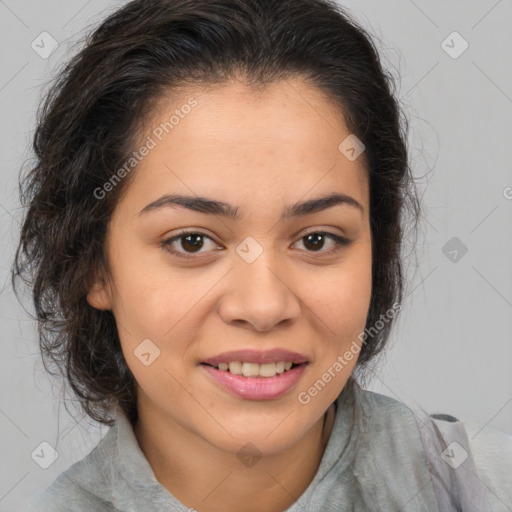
190, 242
315, 241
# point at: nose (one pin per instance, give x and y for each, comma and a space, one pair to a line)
259, 297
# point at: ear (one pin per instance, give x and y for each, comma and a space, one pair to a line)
100, 296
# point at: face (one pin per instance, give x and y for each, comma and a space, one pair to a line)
277, 282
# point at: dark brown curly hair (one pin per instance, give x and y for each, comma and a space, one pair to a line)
89, 120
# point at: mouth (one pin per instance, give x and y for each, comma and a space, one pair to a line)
255, 370
255, 375
275, 356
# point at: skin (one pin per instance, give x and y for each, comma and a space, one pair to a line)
261, 152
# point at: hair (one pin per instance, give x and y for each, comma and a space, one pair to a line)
88, 124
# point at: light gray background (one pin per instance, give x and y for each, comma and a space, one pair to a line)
452, 349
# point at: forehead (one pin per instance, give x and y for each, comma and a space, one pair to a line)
273, 144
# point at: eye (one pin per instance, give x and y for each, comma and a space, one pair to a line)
190, 241
193, 241
315, 241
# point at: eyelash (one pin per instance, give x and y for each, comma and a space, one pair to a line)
341, 242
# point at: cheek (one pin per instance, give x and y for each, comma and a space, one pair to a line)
341, 296
145, 287
164, 305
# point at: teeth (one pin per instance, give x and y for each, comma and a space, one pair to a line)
235, 368
250, 370
267, 370
254, 369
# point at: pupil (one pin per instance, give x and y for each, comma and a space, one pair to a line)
195, 238
318, 237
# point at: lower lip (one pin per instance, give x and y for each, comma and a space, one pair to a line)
256, 388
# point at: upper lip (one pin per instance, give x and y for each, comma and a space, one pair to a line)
256, 356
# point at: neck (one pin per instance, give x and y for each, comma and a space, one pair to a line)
206, 478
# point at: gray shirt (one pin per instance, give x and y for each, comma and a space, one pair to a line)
394, 459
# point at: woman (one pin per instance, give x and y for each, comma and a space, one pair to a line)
213, 237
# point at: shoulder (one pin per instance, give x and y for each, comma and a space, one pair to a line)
384, 421
382, 410
387, 429
492, 452
65, 495
78, 487
372, 401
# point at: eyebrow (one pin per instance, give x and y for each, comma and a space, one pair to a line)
214, 207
